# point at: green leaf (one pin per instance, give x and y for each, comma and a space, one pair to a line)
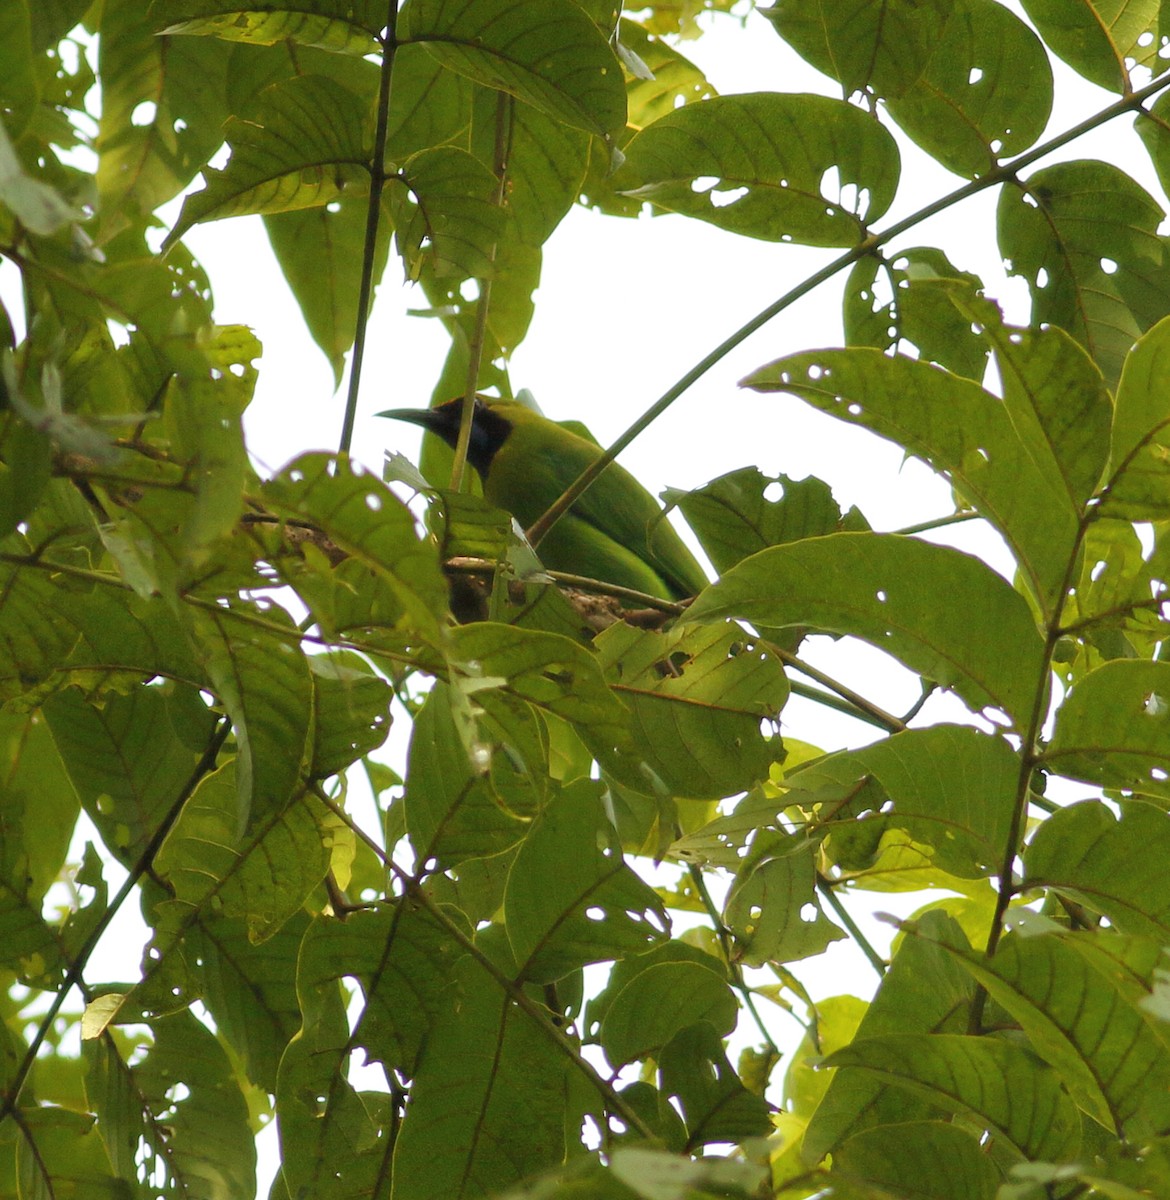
338, 25
320, 254
885, 589
885, 49
1055, 396
1136, 481
19, 86
715, 1104
659, 1002
163, 108
1113, 864
445, 214
920, 283
986, 93
263, 874
768, 903
924, 991
929, 1160
546, 166
1076, 996
950, 787
737, 514
1085, 237
366, 520
329, 1132
262, 679
127, 759
392, 952
453, 812
697, 697
1103, 42
37, 627
1114, 729
488, 1105
250, 989
38, 810
305, 145
198, 1125
571, 898
552, 674
959, 429
351, 711
756, 164
998, 1084
549, 55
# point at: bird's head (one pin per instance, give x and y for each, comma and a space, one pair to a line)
490, 428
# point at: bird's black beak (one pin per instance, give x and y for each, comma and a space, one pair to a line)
428, 418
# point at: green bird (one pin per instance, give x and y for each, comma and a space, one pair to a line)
615, 532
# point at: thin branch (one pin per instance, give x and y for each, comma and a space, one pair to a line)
993, 178
505, 108
875, 714
825, 887
725, 944
373, 217
86, 949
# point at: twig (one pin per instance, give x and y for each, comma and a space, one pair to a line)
373, 215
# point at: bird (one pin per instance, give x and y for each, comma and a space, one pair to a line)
616, 532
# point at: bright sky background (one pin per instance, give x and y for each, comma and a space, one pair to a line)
626, 307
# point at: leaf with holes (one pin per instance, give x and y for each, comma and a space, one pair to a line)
737, 514
950, 787
882, 47
338, 25
959, 429
571, 898
306, 144
697, 697
981, 641
1114, 729
782, 168
985, 95
919, 284
772, 908
1085, 237
550, 55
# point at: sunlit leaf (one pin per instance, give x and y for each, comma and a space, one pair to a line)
305, 145
352, 28
1136, 479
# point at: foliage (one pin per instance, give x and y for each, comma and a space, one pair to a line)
204, 663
